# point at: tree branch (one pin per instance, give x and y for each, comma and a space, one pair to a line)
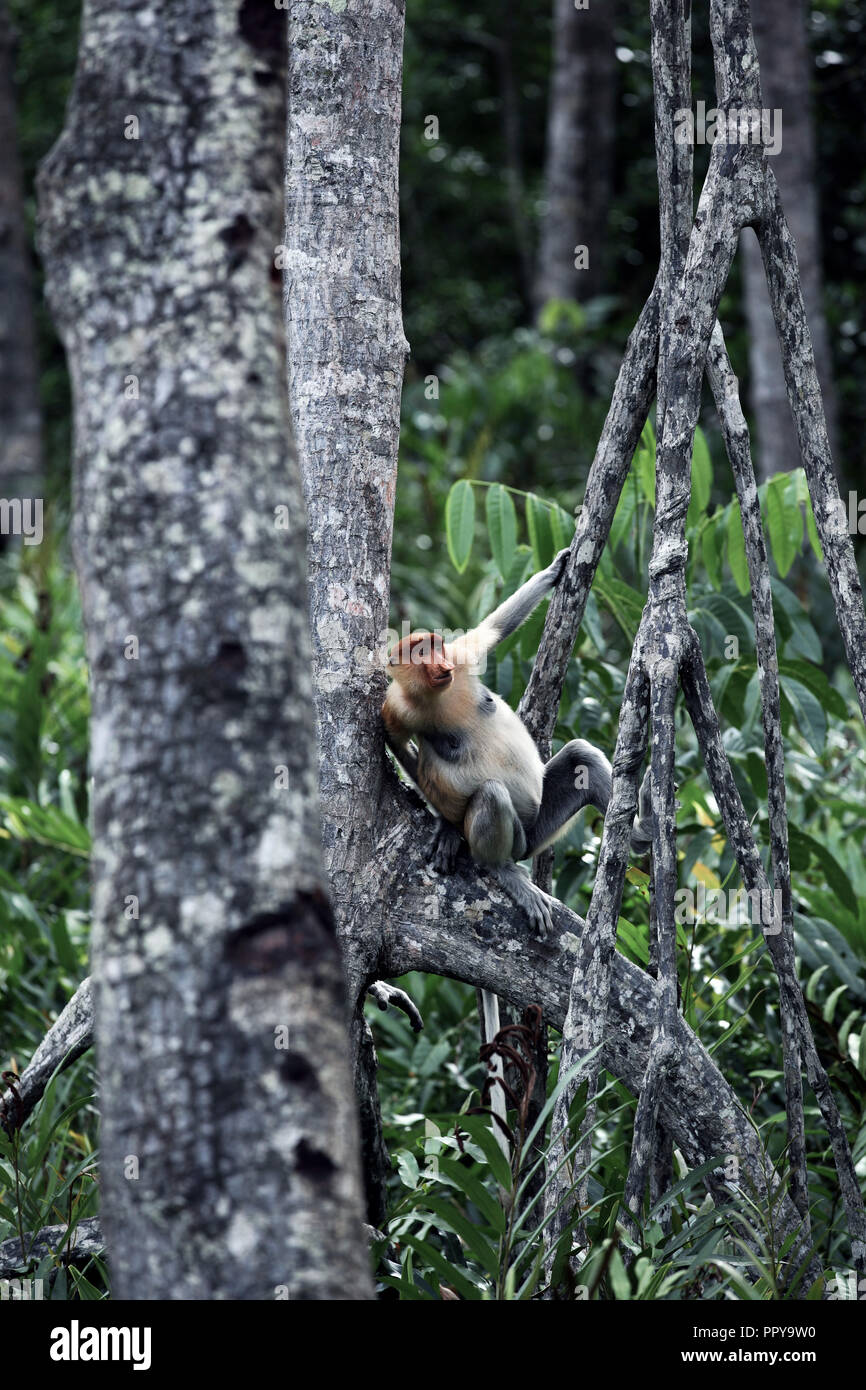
69, 1036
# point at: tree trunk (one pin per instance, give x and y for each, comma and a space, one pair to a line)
580, 143
346, 355
230, 1144
786, 71
20, 413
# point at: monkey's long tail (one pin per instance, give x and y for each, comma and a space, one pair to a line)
496, 1070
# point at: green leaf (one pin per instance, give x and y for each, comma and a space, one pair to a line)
737, 549
501, 528
802, 639
460, 524
472, 1236
407, 1168
44, 825
785, 524
540, 531
467, 1182
806, 673
810, 715
562, 528
447, 1272
711, 549
804, 845
645, 463
481, 1129
830, 1006
624, 603
702, 478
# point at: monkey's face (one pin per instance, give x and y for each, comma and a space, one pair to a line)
420, 663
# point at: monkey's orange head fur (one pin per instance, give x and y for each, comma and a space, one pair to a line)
420, 663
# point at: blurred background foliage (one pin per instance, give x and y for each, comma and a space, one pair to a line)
504, 400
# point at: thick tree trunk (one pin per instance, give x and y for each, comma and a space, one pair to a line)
20, 414
230, 1143
580, 143
346, 355
786, 70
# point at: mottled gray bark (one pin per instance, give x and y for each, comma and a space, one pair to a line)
86, 1240
578, 169
346, 355
229, 1132
786, 74
20, 413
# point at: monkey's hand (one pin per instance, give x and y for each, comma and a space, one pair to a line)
556, 568
387, 995
445, 847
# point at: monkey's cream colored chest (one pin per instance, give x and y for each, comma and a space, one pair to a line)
494, 746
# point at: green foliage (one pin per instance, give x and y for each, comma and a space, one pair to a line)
445, 1235
47, 1169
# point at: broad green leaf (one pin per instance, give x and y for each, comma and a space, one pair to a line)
702, 478
785, 524
460, 524
646, 462
815, 680
501, 528
804, 845
737, 549
480, 1127
540, 531
810, 715
711, 550
562, 528
801, 639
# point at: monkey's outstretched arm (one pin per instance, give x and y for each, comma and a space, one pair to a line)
510, 615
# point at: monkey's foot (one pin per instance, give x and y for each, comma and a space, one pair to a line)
445, 847
528, 896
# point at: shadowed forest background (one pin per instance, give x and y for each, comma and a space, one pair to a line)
505, 384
